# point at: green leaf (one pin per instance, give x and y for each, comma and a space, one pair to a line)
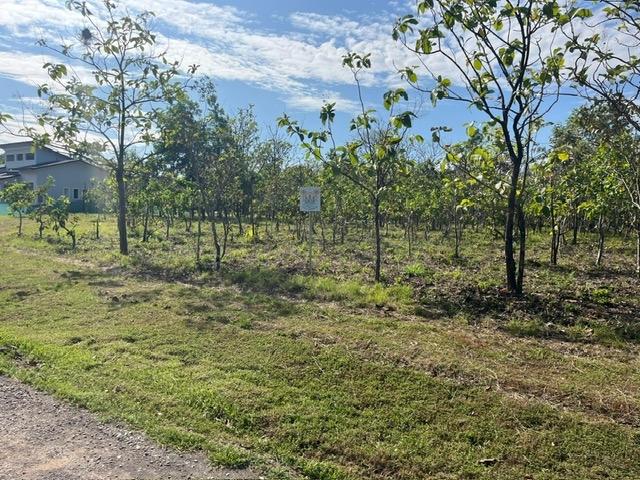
424, 6
472, 130
551, 9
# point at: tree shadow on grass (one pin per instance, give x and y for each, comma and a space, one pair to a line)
264, 280
109, 288
259, 292
207, 306
562, 315
81, 275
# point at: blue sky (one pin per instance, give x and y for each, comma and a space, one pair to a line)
281, 56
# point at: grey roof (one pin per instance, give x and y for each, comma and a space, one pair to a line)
65, 160
15, 144
25, 143
50, 164
6, 174
62, 162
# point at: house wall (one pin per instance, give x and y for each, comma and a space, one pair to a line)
13, 151
67, 177
44, 155
7, 182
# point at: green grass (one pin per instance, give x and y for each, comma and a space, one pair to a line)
327, 376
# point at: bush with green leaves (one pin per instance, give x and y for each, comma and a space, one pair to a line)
19, 196
61, 219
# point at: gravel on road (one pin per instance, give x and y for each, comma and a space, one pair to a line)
44, 438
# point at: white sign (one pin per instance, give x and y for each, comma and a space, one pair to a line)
310, 199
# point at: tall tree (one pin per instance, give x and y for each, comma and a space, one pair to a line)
607, 70
505, 69
109, 106
374, 158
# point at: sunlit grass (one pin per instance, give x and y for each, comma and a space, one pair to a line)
324, 374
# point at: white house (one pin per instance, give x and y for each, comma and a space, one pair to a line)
72, 176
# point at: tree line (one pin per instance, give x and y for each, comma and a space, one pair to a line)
513, 61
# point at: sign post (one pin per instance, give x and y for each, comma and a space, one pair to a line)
309, 203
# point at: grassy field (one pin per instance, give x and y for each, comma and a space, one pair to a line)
434, 374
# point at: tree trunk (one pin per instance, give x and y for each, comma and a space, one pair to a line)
510, 263
198, 238
522, 227
188, 221
555, 244
145, 227
376, 219
409, 237
216, 242
239, 218
122, 209
638, 247
218, 247
600, 240
252, 216
322, 235
457, 232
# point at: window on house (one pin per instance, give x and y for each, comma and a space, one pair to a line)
30, 156
19, 157
65, 192
10, 158
76, 193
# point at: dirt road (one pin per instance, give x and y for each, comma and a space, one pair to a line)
42, 438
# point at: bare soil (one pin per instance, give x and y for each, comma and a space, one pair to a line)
42, 438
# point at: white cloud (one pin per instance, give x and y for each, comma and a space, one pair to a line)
331, 25
23, 67
302, 101
303, 66
21, 16
224, 41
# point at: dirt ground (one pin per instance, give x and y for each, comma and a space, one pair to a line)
42, 438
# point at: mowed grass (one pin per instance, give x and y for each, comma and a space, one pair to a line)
319, 376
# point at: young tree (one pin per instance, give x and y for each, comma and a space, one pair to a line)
505, 69
553, 198
61, 218
244, 151
112, 110
374, 158
273, 155
20, 197
100, 197
607, 70
198, 140
40, 212
591, 184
